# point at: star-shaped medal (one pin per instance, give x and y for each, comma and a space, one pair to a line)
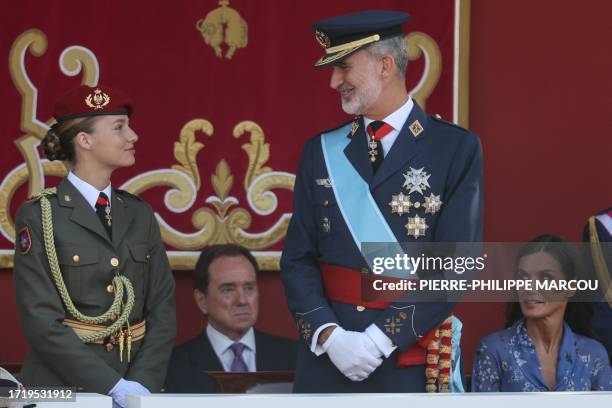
416, 226
432, 204
400, 204
416, 180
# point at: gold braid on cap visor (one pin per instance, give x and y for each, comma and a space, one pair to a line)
340, 51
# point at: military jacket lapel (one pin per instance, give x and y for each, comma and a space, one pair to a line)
82, 213
404, 148
356, 153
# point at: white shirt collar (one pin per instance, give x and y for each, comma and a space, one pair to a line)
220, 342
89, 192
397, 118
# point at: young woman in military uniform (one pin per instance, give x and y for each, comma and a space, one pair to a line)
94, 290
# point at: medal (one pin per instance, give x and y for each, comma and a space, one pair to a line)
416, 226
432, 204
372, 150
416, 180
400, 204
107, 216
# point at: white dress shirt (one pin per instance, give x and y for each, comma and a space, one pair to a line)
395, 120
221, 345
88, 191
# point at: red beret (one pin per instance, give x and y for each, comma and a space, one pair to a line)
85, 101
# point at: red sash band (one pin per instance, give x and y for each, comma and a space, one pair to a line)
344, 285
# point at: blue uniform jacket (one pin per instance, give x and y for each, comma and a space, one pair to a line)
318, 234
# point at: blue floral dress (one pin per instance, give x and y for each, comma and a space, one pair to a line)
507, 361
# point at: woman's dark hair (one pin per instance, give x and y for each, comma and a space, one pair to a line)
578, 315
201, 276
58, 143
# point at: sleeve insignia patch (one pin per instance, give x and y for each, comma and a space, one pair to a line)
24, 241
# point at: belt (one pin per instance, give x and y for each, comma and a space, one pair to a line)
344, 285
135, 332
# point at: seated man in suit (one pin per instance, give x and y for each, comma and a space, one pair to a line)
225, 289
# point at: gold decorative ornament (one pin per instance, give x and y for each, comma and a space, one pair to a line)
224, 25
422, 45
350, 46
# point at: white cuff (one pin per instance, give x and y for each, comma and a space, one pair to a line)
384, 343
315, 347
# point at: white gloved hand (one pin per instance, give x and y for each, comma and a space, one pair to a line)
353, 353
124, 387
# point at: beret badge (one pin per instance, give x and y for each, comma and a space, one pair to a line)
323, 39
97, 100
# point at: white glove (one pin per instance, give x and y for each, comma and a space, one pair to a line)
353, 353
123, 387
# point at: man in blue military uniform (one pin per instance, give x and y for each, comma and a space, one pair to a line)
393, 174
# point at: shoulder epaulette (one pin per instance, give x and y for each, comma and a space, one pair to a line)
127, 194
43, 193
439, 119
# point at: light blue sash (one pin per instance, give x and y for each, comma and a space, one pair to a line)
359, 210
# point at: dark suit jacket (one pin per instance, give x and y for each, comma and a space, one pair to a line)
187, 371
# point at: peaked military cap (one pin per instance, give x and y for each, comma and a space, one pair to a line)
343, 35
84, 101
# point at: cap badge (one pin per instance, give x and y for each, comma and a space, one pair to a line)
323, 39
97, 100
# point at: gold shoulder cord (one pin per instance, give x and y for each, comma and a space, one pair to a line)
599, 261
118, 311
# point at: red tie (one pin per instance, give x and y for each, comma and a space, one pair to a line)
379, 129
104, 213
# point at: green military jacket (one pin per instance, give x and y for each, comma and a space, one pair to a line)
86, 256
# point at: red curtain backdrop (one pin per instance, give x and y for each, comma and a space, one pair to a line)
539, 98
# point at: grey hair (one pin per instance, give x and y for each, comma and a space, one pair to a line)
396, 46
